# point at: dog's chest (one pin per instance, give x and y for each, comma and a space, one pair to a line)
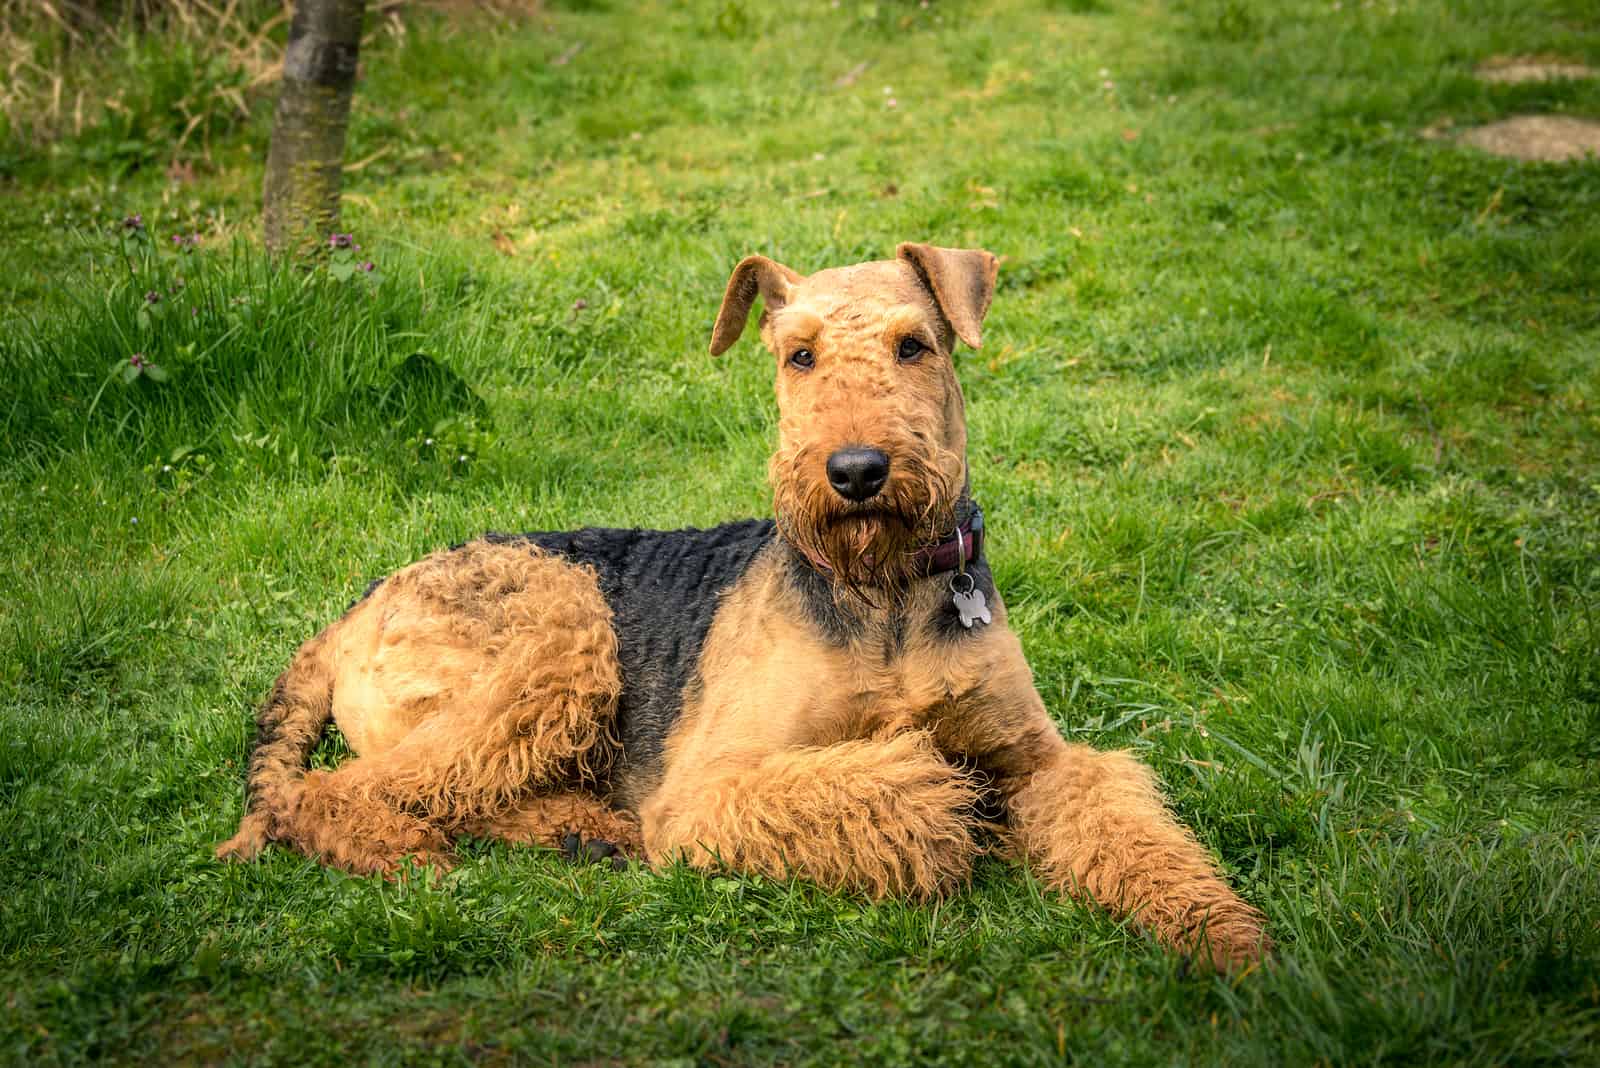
881, 685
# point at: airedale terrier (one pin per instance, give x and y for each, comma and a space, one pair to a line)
834, 694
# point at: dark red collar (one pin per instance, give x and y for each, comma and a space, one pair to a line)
960, 548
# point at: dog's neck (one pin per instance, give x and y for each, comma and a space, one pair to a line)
847, 612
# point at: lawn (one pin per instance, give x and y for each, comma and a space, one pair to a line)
1286, 425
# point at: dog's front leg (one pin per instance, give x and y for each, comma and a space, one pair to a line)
1093, 824
887, 816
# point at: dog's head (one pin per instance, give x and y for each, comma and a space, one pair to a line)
872, 437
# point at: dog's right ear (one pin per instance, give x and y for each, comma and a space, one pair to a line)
755, 274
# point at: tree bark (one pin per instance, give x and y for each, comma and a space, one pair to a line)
306, 159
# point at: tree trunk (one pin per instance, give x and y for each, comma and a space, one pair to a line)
305, 162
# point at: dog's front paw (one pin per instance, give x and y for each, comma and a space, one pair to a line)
1234, 944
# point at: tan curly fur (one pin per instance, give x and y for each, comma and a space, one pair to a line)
1094, 824
463, 681
844, 736
887, 817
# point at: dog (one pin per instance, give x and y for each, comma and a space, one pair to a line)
832, 694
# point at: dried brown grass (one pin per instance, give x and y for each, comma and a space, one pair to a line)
61, 58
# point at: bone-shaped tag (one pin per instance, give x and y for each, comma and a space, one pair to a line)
972, 607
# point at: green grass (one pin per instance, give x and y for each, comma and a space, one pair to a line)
1287, 425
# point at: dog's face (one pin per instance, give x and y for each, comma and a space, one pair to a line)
872, 436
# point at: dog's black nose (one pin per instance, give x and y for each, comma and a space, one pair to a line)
858, 474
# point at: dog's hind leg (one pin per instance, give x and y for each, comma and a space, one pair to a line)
467, 683
288, 728
459, 772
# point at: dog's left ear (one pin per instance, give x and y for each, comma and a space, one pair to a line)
961, 281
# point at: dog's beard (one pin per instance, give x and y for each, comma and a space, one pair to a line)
871, 545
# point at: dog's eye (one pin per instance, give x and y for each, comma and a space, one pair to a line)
802, 358
910, 349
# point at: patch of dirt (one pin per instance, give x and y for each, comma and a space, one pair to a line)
1515, 70
1546, 138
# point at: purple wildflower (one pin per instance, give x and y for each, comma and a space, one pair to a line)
152, 297
337, 240
369, 266
138, 360
134, 223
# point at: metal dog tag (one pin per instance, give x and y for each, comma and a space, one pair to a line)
971, 605
972, 608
